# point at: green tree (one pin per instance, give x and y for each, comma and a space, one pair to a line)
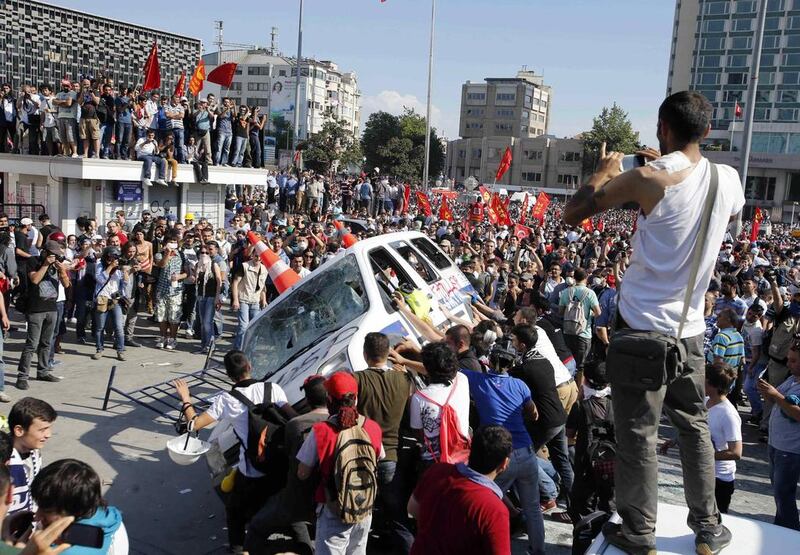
334, 145
380, 128
282, 130
614, 128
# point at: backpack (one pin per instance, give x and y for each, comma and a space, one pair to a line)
574, 315
264, 448
353, 483
453, 446
602, 449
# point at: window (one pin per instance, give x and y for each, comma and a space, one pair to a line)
791, 77
529, 101
510, 97
793, 23
717, 8
416, 261
567, 179
791, 59
792, 41
708, 78
772, 24
733, 96
737, 78
504, 113
759, 188
775, 6
432, 253
787, 114
234, 87
476, 111
258, 70
532, 176
258, 101
714, 26
762, 114
794, 143
772, 41
788, 96
793, 191
737, 60
741, 43
767, 60
533, 154
503, 126
476, 96
745, 6
570, 156
258, 87
476, 153
281, 73
709, 61
713, 43
766, 78
474, 125
710, 95
763, 96
742, 25
462, 153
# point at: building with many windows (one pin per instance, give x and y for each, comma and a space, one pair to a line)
267, 79
712, 52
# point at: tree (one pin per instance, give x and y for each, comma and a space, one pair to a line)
282, 131
614, 128
380, 128
334, 144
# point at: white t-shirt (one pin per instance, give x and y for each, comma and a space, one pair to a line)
725, 425
426, 416
752, 334
227, 407
546, 349
656, 281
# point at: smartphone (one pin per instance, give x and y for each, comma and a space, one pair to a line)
762, 374
83, 535
632, 161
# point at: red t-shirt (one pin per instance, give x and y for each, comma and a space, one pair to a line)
476, 212
457, 515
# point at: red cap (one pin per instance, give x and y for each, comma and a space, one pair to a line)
340, 384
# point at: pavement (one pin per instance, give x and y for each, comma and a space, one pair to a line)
170, 509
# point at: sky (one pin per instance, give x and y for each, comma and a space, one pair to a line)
592, 52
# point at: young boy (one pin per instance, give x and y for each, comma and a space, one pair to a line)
31, 424
726, 430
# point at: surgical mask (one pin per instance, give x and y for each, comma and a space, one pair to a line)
570, 281
303, 245
172, 246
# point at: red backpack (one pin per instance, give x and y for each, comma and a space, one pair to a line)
453, 446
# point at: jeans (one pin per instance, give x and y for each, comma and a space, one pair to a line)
784, 473
579, 347
57, 330
247, 311
390, 495
118, 321
189, 304
205, 311
106, 133
334, 537
556, 440
637, 415
2, 364
149, 160
255, 148
523, 472
238, 150
40, 334
177, 135
548, 490
123, 140
223, 148
750, 383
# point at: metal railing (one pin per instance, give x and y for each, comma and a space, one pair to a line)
17, 211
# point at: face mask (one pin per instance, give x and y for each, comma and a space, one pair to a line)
490, 270
172, 246
570, 281
302, 246
205, 259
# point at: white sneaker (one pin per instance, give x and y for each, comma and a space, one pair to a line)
146, 183
73, 320
161, 182
162, 341
189, 333
74, 155
171, 344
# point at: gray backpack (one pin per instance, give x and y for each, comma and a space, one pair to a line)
574, 315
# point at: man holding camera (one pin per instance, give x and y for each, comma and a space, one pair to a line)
44, 275
671, 192
111, 277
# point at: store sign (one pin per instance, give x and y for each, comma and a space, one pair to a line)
129, 191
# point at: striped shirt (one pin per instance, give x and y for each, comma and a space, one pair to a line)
728, 345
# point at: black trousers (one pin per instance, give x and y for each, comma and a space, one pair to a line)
723, 491
247, 497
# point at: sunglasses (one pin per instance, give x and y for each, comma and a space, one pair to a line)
203, 252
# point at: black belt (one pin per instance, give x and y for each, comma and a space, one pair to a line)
569, 381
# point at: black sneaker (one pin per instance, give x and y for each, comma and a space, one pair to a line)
131, 342
613, 533
48, 378
82, 340
710, 542
22, 384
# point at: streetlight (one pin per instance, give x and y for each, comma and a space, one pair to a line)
428, 109
296, 134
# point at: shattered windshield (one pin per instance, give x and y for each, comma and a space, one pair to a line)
322, 303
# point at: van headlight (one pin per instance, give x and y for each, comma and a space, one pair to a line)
339, 361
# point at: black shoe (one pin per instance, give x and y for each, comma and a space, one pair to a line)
708, 542
131, 342
82, 341
22, 384
613, 533
49, 377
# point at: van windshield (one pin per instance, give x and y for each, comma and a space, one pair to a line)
322, 303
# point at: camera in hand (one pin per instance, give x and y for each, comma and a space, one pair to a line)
770, 275
502, 355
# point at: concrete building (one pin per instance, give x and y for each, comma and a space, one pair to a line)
43, 43
267, 79
506, 107
712, 51
544, 162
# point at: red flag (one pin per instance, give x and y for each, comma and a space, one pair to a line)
737, 110
222, 75
505, 163
424, 203
540, 208
501, 213
406, 197
523, 211
296, 157
152, 72
601, 225
444, 211
179, 88
487, 196
757, 219
587, 225
199, 75
522, 231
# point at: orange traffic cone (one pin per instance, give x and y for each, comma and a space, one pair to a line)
282, 276
348, 239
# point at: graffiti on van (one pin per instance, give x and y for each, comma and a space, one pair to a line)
448, 291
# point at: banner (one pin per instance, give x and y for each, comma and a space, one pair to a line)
406, 197
522, 232
523, 211
444, 211
756, 226
424, 203
198, 76
540, 208
500, 210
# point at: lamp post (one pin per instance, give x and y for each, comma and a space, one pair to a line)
428, 109
296, 134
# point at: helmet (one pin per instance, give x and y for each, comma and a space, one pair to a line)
112, 252
57, 235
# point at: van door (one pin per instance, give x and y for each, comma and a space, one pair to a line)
453, 290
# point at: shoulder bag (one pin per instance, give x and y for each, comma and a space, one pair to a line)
649, 360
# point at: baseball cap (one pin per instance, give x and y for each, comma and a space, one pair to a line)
26, 221
54, 247
340, 384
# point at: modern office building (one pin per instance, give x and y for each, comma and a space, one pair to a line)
266, 78
712, 52
43, 43
506, 107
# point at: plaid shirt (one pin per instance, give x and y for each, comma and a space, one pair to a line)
164, 286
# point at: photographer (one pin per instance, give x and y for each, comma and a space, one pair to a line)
111, 280
44, 274
134, 291
661, 285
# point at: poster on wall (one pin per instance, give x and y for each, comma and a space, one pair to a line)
129, 191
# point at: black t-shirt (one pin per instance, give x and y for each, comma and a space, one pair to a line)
556, 338
469, 360
21, 240
577, 420
42, 296
538, 374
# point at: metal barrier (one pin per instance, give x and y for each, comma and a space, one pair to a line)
18, 211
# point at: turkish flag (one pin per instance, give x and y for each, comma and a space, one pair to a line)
540, 208
406, 197
754, 229
199, 75
179, 88
444, 211
223, 75
424, 203
522, 232
505, 163
152, 72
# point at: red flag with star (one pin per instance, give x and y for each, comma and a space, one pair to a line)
444, 211
754, 229
505, 163
424, 203
487, 196
540, 208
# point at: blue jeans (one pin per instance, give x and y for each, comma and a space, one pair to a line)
255, 149
148, 161
247, 311
784, 473
106, 132
2, 364
750, 383
117, 320
177, 135
57, 331
556, 440
548, 478
123, 140
223, 148
390, 494
238, 150
205, 311
523, 472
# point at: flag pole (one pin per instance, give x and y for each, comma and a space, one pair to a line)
428, 108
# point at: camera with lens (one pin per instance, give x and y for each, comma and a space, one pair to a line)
770, 275
502, 354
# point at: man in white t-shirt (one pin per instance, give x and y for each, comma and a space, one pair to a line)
250, 490
670, 192
752, 332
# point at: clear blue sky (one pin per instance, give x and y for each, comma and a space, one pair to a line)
592, 52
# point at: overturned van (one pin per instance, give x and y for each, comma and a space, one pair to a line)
318, 325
